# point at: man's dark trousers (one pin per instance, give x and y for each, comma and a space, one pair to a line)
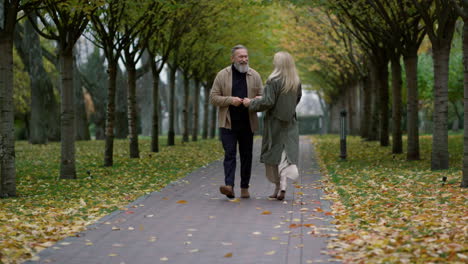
230, 139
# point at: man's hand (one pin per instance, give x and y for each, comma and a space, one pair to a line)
246, 102
236, 101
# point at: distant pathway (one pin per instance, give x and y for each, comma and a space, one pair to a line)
190, 222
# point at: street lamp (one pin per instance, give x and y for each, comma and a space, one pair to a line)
343, 135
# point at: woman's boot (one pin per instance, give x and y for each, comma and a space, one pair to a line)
275, 193
281, 195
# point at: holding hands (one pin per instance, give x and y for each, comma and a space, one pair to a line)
236, 101
246, 102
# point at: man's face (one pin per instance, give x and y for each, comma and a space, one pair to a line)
240, 59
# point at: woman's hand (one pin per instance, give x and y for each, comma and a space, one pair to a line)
246, 102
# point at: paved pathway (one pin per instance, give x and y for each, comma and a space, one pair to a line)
190, 222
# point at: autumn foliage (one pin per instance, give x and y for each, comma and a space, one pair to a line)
389, 210
48, 210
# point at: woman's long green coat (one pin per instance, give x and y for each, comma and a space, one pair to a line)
280, 128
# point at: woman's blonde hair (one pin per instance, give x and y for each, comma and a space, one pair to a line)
285, 69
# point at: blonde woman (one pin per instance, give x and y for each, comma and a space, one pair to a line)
280, 142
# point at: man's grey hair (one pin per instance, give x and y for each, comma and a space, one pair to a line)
236, 47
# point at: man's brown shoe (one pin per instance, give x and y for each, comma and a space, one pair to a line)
245, 193
228, 191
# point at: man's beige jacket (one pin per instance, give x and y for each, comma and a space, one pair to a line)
221, 95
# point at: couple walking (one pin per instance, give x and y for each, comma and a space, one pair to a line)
238, 93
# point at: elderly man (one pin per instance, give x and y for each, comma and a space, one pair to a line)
237, 125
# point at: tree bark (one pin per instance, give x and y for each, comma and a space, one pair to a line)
94, 74
375, 91
155, 117
44, 118
172, 102
196, 113
440, 155
383, 95
110, 114
68, 127
349, 91
326, 115
411, 70
132, 110
206, 114
179, 90
397, 142
82, 126
121, 108
185, 111
213, 121
457, 113
464, 182
7, 135
366, 116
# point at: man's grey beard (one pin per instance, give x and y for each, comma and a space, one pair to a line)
243, 68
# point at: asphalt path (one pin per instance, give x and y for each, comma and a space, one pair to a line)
189, 221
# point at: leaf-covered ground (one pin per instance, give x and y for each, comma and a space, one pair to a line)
48, 209
389, 210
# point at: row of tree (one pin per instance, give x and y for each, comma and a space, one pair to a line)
340, 46
192, 37
355, 42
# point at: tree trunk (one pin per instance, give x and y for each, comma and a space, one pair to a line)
411, 70
121, 108
375, 91
68, 127
206, 114
185, 111
172, 101
213, 121
397, 142
383, 95
110, 115
44, 107
457, 113
179, 90
132, 111
440, 155
349, 91
94, 74
7, 134
366, 116
196, 113
82, 126
155, 116
325, 117
464, 182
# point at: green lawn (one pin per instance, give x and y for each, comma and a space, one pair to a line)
389, 210
47, 209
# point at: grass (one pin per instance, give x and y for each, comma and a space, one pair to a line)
48, 209
390, 210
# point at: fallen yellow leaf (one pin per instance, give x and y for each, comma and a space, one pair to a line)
228, 255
